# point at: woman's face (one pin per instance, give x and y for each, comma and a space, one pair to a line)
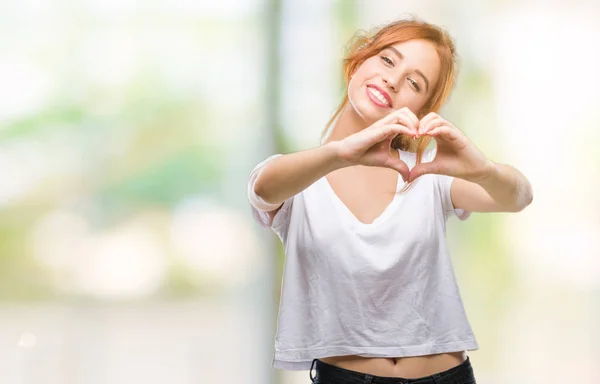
401, 75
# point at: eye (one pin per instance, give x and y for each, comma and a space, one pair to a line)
414, 83
387, 60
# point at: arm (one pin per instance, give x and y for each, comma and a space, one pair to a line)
502, 189
287, 175
479, 185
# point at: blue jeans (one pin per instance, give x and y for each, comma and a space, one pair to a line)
330, 374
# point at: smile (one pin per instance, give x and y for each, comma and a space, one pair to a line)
377, 97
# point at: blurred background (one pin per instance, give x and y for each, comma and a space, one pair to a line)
128, 129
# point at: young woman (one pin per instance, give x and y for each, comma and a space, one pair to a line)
369, 293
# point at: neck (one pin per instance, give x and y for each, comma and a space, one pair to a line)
348, 123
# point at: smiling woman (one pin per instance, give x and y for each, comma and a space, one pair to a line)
369, 293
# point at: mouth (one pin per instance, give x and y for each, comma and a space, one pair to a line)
378, 96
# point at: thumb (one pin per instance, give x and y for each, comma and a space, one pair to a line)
399, 166
423, 169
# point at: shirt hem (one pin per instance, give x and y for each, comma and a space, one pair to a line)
299, 360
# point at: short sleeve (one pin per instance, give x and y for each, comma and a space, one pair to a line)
445, 184
259, 207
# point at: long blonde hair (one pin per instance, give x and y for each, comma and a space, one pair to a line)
365, 45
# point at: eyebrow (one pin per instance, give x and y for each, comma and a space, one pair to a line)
417, 71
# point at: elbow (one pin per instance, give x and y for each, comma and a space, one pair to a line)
258, 194
260, 198
262, 193
529, 198
523, 205
257, 190
524, 200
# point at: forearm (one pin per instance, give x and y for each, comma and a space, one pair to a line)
507, 186
287, 175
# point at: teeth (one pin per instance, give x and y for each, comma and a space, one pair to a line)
379, 96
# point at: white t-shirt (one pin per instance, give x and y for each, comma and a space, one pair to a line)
384, 289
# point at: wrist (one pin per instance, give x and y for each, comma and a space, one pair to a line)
489, 173
333, 150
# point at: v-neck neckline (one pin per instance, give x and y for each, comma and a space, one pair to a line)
352, 217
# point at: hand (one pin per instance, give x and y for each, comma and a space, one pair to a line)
456, 155
371, 146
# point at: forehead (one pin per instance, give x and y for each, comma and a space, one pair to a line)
420, 54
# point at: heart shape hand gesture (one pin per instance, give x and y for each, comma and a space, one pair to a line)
455, 156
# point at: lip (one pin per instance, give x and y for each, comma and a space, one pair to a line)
375, 100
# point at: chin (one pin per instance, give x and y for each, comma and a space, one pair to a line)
367, 111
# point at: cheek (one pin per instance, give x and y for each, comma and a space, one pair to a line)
354, 91
408, 98
363, 75
413, 103
357, 85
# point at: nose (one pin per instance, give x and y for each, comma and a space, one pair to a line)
391, 83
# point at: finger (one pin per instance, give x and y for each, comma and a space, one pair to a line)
435, 131
398, 129
405, 120
411, 115
405, 111
421, 169
443, 132
403, 116
432, 124
380, 134
399, 166
425, 120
